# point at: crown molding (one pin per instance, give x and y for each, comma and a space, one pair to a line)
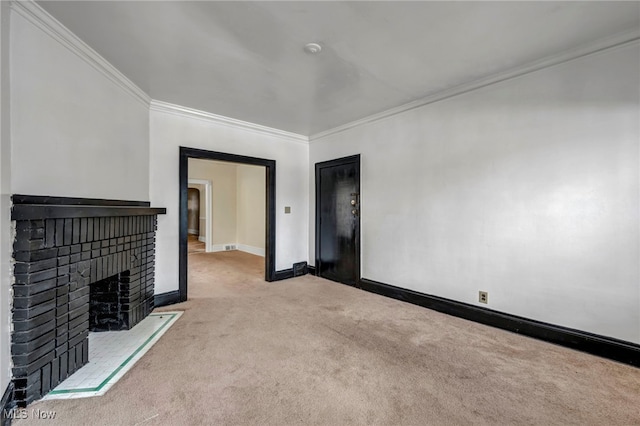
182, 111
39, 17
613, 42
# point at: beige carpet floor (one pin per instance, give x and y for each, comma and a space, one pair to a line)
310, 351
194, 245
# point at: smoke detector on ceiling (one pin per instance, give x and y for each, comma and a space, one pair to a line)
312, 48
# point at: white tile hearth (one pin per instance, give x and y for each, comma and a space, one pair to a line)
111, 355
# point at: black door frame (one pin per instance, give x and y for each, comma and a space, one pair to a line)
331, 163
270, 217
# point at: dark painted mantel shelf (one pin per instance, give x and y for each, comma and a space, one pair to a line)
42, 211
29, 207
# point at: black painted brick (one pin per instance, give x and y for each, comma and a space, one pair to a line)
31, 278
76, 231
50, 233
19, 348
64, 365
30, 323
61, 310
28, 245
46, 379
55, 373
68, 318
33, 333
33, 357
63, 270
33, 300
59, 237
83, 229
68, 232
30, 313
83, 333
25, 290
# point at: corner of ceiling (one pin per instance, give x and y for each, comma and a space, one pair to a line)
42, 20
169, 108
605, 44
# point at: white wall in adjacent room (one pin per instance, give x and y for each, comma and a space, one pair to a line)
171, 130
223, 193
75, 132
251, 208
238, 203
527, 189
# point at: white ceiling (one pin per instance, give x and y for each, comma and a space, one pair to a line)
245, 60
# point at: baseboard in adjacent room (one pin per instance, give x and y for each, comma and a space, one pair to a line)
240, 247
251, 249
607, 347
202, 239
224, 247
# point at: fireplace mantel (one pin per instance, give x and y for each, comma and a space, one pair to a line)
65, 250
43, 211
33, 207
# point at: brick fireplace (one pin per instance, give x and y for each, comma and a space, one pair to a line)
80, 265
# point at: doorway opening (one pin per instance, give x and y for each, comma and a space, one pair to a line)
196, 242
212, 230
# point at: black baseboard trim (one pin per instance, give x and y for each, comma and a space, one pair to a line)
8, 404
606, 347
285, 274
164, 299
311, 270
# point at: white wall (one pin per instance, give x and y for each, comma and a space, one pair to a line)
169, 131
527, 189
251, 208
5, 201
74, 131
223, 202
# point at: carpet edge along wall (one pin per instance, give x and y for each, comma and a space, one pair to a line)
606, 347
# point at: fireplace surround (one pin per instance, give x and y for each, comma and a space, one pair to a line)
80, 265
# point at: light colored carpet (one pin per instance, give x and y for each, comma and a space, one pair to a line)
194, 245
310, 351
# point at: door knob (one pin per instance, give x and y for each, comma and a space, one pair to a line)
354, 212
353, 202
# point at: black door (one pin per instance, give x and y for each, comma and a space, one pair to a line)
338, 220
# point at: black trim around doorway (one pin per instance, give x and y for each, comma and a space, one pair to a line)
270, 243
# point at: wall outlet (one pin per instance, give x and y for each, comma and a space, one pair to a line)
483, 297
